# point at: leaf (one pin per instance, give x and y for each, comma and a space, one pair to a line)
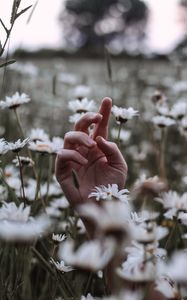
75, 179
15, 7
22, 11
2, 23
32, 11
6, 63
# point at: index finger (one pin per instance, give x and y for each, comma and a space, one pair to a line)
101, 129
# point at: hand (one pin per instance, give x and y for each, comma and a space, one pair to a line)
95, 160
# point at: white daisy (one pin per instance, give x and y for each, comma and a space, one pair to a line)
91, 256
176, 267
111, 217
29, 230
10, 212
76, 117
173, 202
58, 238
83, 105
24, 160
60, 266
18, 145
3, 146
163, 121
15, 101
167, 287
38, 134
50, 147
110, 192
122, 115
179, 110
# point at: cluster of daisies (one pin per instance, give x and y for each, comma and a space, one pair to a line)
135, 232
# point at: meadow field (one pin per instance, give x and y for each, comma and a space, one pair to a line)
45, 252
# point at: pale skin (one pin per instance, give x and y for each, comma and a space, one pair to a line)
95, 160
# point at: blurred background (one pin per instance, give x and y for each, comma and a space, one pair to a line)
132, 26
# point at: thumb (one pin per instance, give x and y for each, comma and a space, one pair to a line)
112, 153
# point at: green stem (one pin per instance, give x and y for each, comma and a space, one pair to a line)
21, 177
162, 154
23, 136
50, 170
119, 132
171, 234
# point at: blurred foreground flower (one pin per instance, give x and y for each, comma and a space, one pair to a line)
17, 225
15, 101
175, 204
176, 267
3, 146
91, 256
167, 287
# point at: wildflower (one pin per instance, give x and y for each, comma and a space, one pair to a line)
50, 147
18, 145
25, 161
10, 212
142, 272
58, 238
60, 266
15, 101
3, 146
176, 267
162, 121
74, 118
144, 216
33, 229
91, 256
173, 203
81, 91
122, 115
17, 224
111, 218
147, 232
140, 264
109, 193
178, 110
163, 110
167, 287
83, 105
38, 134
152, 185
